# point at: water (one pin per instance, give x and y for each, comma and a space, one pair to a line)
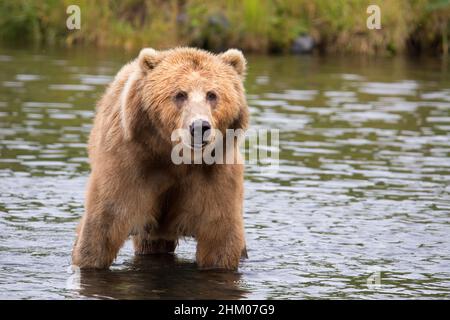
361, 196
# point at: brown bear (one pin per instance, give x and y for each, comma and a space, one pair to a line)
136, 189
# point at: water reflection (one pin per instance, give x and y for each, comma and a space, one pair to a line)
161, 277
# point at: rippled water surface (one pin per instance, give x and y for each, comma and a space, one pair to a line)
358, 209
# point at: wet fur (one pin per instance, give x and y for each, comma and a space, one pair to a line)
134, 189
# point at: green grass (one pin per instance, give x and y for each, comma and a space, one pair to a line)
252, 25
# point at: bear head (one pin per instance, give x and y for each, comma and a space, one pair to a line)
189, 89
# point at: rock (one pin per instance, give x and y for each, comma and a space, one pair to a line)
302, 44
182, 18
219, 21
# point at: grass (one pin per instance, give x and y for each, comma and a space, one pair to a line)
253, 25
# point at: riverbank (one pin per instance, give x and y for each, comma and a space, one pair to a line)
415, 26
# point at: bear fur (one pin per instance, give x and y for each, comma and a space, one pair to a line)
134, 187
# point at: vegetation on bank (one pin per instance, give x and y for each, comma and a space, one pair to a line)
253, 25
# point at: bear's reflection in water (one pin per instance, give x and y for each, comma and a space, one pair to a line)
161, 277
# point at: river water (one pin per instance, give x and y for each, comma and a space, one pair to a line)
359, 206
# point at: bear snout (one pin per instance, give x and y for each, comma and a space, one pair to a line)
200, 132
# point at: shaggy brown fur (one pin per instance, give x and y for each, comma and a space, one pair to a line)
135, 189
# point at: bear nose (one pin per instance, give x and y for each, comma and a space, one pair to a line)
198, 129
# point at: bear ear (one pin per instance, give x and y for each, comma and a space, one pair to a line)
235, 58
149, 58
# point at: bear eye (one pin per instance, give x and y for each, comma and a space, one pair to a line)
211, 96
181, 96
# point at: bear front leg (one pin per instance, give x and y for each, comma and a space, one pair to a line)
222, 246
101, 235
103, 228
220, 234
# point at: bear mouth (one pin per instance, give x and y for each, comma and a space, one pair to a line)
199, 146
